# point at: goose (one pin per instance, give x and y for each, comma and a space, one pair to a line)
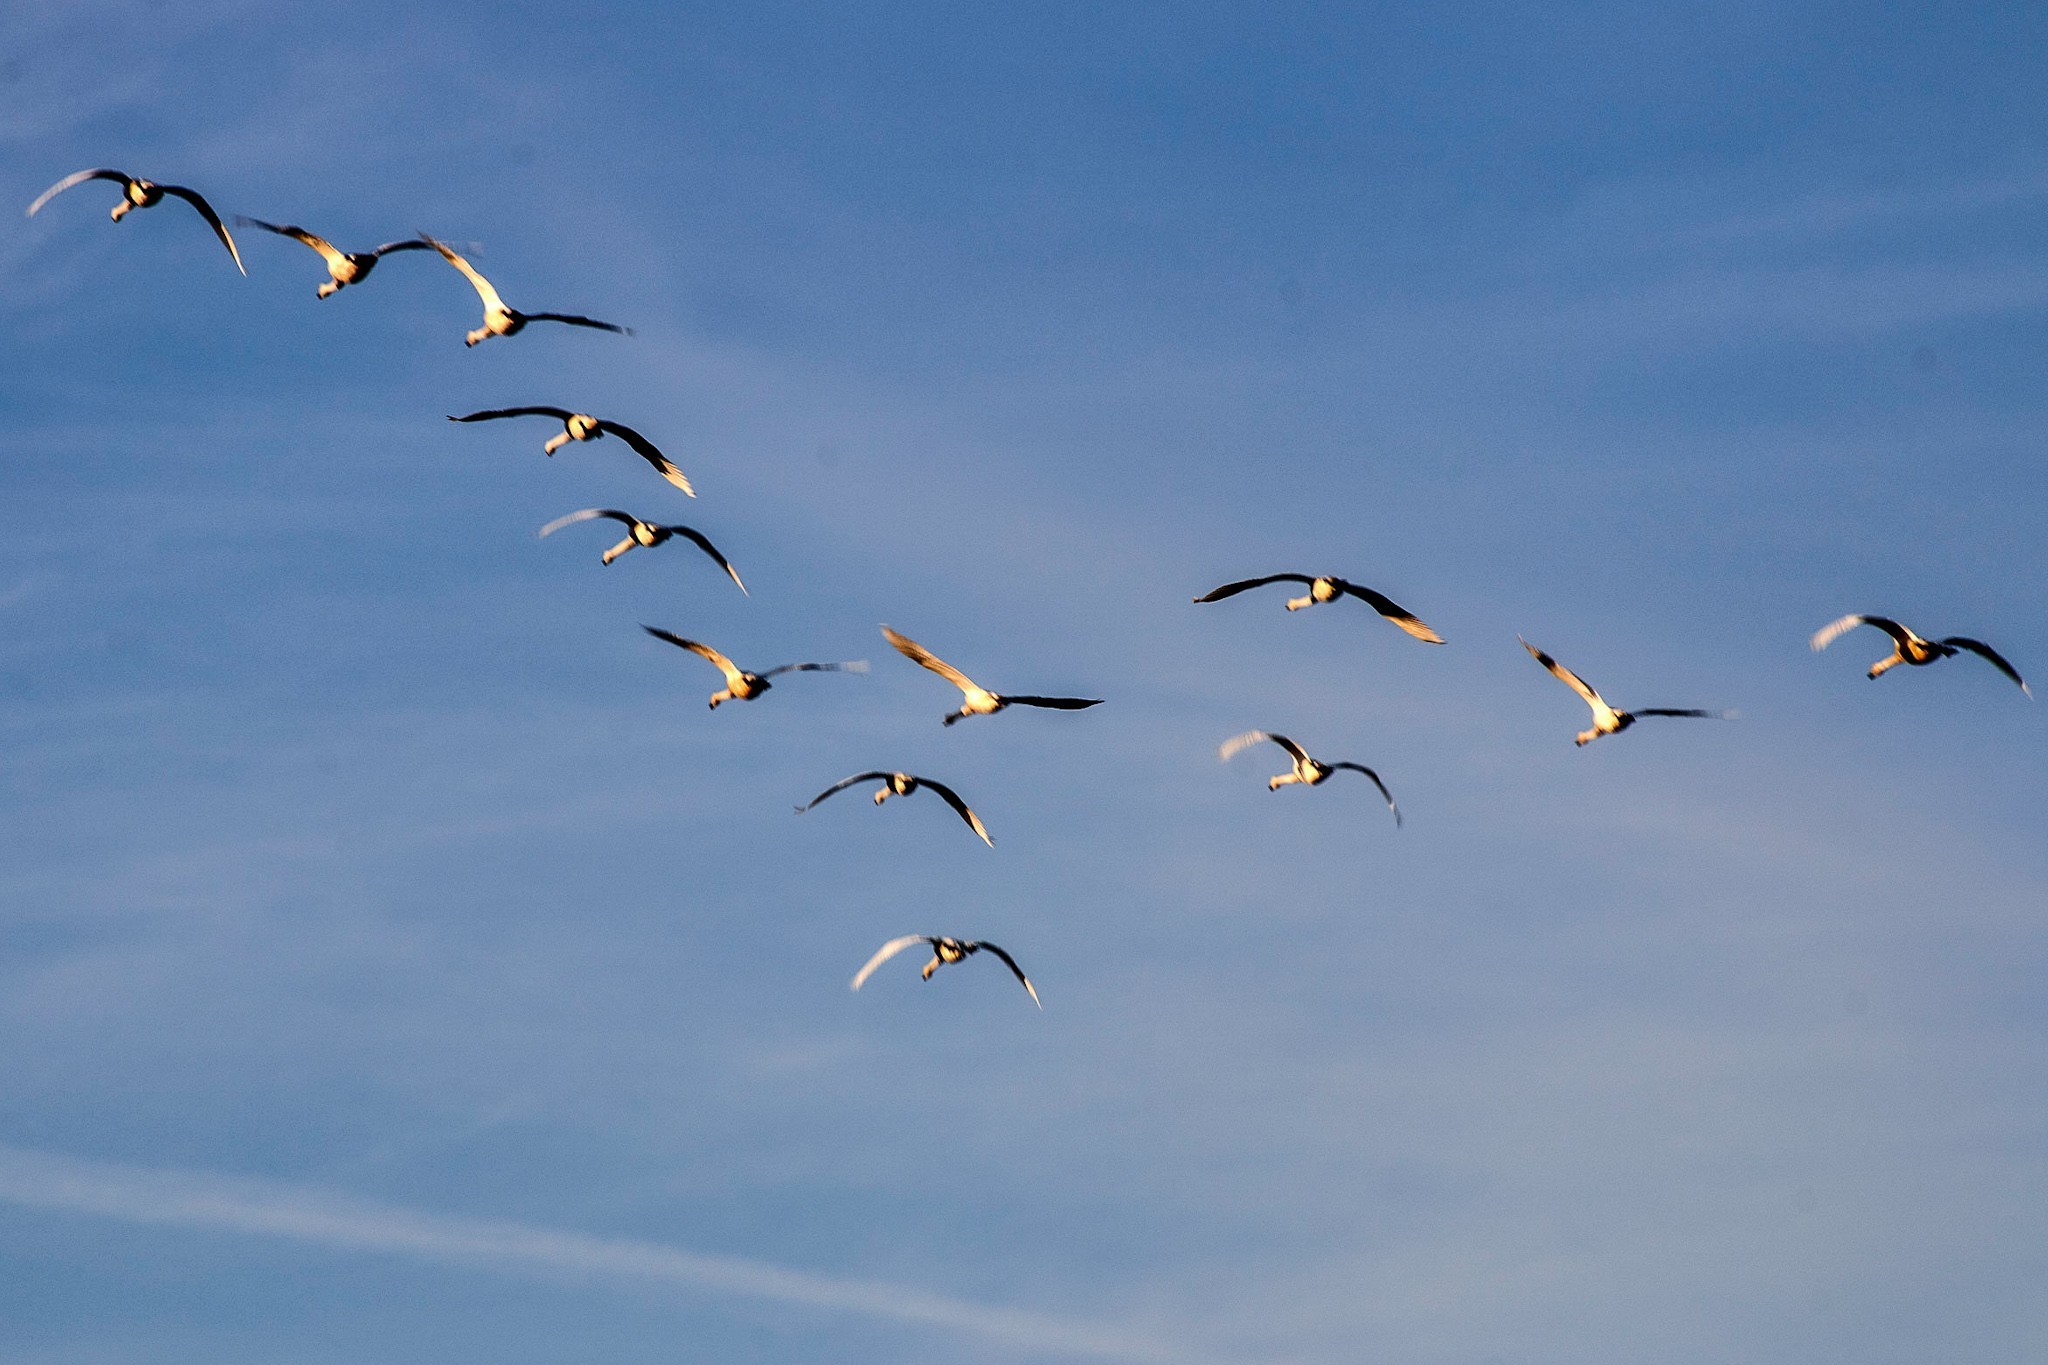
1909, 648
500, 321
344, 268
945, 951
1312, 771
1607, 720
137, 193
980, 701
740, 684
903, 784
581, 426
640, 532
1329, 589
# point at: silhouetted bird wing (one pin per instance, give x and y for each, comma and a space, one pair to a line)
952, 798
403, 244
1835, 630
1566, 676
1389, 796
849, 666
1233, 589
1051, 703
703, 543
884, 953
1015, 970
492, 414
587, 514
220, 230
76, 178
647, 451
578, 320
1393, 611
918, 654
841, 786
1997, 660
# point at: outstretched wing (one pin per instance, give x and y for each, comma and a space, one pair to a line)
1015, 970
1997, 660
587, 514
849, 666
952, 798
75, 178
724, 664
492, 414
1671, 711
403, 244
328, 251
647, 451
1565, 676
1053, 703
1237, 744
198, 201
1835, 630
578, 320
481, 285
884, 953
1233, 589
1387, 795
702, 542
918, 654
1393, 611
834, 789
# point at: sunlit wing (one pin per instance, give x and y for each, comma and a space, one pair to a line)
482, 286
704, 651
1835, 630
587, 514
328, 251
918, 654
75, 178
884, 953
1237, 744
1565, 676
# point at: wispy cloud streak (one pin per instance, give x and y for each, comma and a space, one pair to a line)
191, 1199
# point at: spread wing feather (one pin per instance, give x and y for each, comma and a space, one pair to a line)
75, 178
884, 953
1997, 660
1246, 585
918, 654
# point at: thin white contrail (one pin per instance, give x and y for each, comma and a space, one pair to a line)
192, 1199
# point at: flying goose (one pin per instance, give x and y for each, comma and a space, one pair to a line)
1908, 648
903, 784
1311, 771
500, 321
944, 952
640, 532
1328, 589
980, 701
344, 268
137, 193
740, 684
581, 426
1607, 720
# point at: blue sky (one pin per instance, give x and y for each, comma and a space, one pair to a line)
398, 961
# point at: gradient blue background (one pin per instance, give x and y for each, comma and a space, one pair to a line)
353, 838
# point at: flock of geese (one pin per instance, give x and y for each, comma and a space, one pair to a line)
345, 268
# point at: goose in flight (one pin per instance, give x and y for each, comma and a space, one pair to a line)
944, 952
344, 268
640, 532
1311, 771
1329, 590
740, 684
1909, 648
1607, 720
500, 321
903, 784
581, 426
980, 701
137, 193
